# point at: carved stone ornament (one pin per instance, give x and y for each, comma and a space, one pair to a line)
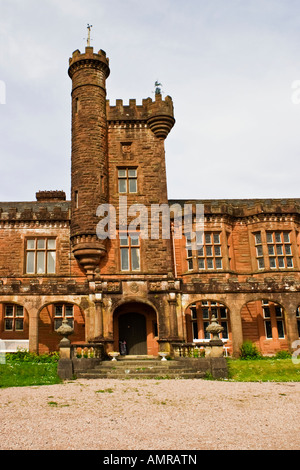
214, 328
65, 330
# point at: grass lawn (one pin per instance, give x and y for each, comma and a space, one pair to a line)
263, 370
20, 374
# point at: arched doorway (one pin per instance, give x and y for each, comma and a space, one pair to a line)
132, 330
135, 323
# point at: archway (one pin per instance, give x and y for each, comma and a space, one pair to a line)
135, 329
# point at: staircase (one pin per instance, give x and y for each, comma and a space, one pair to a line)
142, 367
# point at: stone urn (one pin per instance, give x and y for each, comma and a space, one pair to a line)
114, 355
215, 344
163, 355
65, 330
214, 328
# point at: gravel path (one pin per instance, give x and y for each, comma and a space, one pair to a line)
105, 414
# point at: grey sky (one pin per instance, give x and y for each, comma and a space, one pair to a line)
228, 64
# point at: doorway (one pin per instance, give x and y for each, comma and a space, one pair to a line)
132, 330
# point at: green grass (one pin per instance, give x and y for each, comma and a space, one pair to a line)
263, 370
20, 374
25, 369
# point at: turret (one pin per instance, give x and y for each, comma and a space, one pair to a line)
89, 185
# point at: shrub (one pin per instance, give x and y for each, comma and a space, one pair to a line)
22, 355
283, 355
249, 351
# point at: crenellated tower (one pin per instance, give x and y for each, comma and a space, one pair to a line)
89, 169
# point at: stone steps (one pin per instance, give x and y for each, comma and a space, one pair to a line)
141, 368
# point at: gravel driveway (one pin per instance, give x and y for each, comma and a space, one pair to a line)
106, 414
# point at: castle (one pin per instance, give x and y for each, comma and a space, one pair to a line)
150, 293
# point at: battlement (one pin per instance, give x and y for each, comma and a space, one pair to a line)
88, 59
159, 114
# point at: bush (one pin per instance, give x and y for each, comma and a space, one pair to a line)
283, 355
22, 355
249, 351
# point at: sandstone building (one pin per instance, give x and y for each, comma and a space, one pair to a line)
153, 293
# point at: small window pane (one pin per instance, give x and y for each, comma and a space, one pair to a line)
190, 264
289, 262
69, 310
124, 259
9, 310
19, 324
132, 173
210, 264
280, 329
208, 251
259, 250
225, 331
271, 250
201, 264
278, 311
206, 334
30, 244
261, 263
122, 186
41, 245
8, 325
124, 240
208, 238
58, 310
288, 250
40, 262
257, 239
281, 262
279, 249
135, 259
135, 240
200, 252
268, 329
216, 238
272, 263
266, 311
122, 173
51, 262
269, 237
223, 312
132, 186
51, 244
286, 237
19, 311
57, 323
218, 263
277, 237
30, 263
217, 251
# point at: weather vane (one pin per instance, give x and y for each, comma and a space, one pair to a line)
157, 87
89, 26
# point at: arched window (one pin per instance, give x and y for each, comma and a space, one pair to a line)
13, 317
201, 315
62, 311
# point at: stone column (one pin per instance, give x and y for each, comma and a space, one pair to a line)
98, 316
236, 328
33, 330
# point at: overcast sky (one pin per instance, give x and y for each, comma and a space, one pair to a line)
229, 66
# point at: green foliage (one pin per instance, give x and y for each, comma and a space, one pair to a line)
22, 355
283, 355
249, 351
268, 370
21, 374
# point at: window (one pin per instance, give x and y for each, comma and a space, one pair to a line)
127, 180
208, 250
273, 318
13, 317
201, 315
259, 250
62, 311
130, 252
40, 255
279, 250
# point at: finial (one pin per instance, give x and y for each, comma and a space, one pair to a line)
89, 26
157, 87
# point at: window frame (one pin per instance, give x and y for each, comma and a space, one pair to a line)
14, 317
128, 179
36, 250
130, 248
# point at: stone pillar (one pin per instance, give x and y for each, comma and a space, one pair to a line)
173, 315
236, 328
33, 331
98, 316
291, 326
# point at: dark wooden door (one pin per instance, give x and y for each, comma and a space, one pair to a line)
132, 329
